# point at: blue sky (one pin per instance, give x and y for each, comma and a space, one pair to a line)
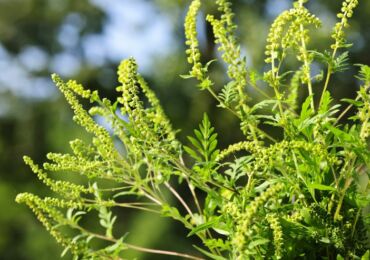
133, 28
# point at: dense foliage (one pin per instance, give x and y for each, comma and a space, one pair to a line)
305, 194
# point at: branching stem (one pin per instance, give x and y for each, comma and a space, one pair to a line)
138, 248
174, 192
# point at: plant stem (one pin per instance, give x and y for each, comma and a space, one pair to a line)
345, 111
132, 205
307, 69
150, 197
327, 79
162, 252
139, 248
221, 102
340, 202
329, 72
275, 76
191, 188
355, 223
174, 192
238, 116
127, 205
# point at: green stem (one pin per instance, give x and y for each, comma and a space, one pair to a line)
278, 97
138, 248
355, 223
174, 192
340, 202
328, 75
236, 114
307, 67
346, 110
275, 76
133, 205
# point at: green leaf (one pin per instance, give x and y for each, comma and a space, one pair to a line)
366, 256
228, 93
124, 193
325, 102
258, 242
212, 146
325, 240
195, 142
324, 57
352, 102
186, 76
213, 137
205, 68
221, 231
205, 144
210, 255
306, 110
116, 247
364, 73
168, 211
263, 104
192, 153
114, 106
341, 63
318, 186
339, 133
203, 226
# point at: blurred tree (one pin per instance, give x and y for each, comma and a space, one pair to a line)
32, 120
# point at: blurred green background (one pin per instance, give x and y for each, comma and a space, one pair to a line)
85, 40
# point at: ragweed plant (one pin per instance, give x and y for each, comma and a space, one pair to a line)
303, 195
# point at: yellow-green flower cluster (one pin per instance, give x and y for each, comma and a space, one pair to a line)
275, 35
267, 157
79, 89
82, 149
296, 216
192, 40
106, 146
286, 32
231, 52
248, 146
132, 106
243, 230
338, 32
44, 212
53, 202
231, 209
224, 6
127, 76
148, 127
295, 82
47, 213
224, 31
273, 220
160, 121
78, 164
364, 112
65, 188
